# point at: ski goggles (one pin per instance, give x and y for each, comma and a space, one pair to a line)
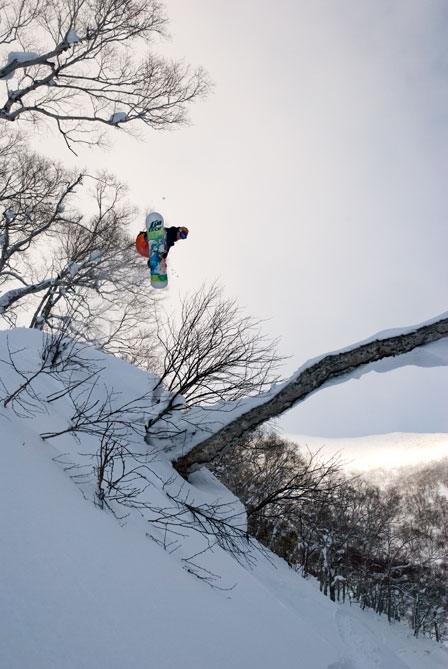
183, 235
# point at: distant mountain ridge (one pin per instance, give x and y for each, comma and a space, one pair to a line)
397, 449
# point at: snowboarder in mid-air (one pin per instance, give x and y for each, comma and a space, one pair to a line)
155, 243
173, 235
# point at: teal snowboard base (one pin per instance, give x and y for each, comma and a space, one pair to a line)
155, 233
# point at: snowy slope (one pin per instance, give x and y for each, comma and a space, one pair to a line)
80, 589
379, 450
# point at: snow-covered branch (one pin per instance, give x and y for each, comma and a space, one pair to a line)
12, 296
87, 73
326, 370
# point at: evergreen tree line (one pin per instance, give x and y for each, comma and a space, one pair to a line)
382, 546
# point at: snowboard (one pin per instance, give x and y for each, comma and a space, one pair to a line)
155, 233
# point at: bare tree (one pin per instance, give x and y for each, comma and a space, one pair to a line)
274, 479
63, 266
305, 382
384, 548
95, 270
211, 352
33, 193
81, 63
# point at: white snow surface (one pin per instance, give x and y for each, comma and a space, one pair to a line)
81, 589
72, 36
20, 57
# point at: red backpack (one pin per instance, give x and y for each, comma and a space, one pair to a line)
141, 244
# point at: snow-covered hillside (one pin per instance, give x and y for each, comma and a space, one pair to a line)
379, 450
82, 589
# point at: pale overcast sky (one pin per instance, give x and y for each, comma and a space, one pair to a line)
314, 184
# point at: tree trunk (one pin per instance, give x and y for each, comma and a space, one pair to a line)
309, 380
